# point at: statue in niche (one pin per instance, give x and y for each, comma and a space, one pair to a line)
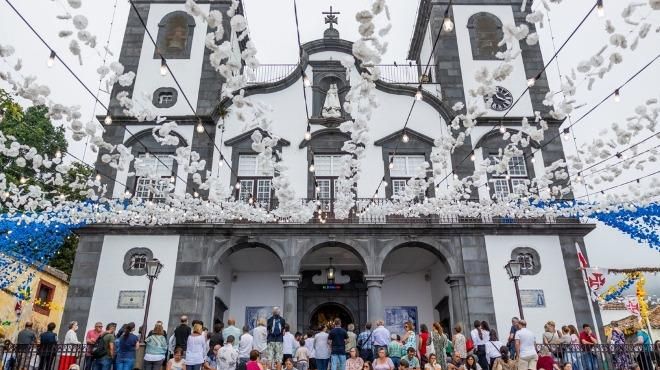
331, 107
177, 34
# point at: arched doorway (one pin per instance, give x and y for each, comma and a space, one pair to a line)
326, 313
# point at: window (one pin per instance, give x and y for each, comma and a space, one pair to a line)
175, 34
45, 293
515, 181
328, 168
153, 188
138, 261
135, 261
485, 31
404, 167
255, 177
164, 97
530, 261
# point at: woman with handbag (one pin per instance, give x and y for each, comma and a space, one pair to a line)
493, 348
480, 336
459, 342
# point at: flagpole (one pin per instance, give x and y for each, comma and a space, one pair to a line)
588, 291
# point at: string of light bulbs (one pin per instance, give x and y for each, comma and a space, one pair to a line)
530, 82
51, 61
637, 180
619, 162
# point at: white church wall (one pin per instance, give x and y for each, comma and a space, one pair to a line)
551, 279
439, 288
289, 122
410, 289
111, 279
254, 289
187, 71
223, 289
122, 176
469, 66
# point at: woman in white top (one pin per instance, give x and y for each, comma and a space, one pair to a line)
259, 335
72, 350
309, 344
493, 348
195, 349
480, 337
322, 349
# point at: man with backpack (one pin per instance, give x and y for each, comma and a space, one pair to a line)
104, 348
365, 343
275, 339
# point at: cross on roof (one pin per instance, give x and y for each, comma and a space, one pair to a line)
331, 17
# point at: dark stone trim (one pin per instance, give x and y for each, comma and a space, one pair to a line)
148, 133
473, 32
83, 281
210, 84
418, 144
156, 96
127, 261
318, 133
535, 256
423, 16
123, 120
248, 136
575, 277
238, 229
479, 293
496, 135
319, 45
397, 136
190, 22
514, 121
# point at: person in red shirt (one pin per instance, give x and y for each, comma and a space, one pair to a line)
90, 339
588, 340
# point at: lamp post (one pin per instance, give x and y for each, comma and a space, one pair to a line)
153, 270
513, 270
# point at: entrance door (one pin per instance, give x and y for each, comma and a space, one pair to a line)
326, 314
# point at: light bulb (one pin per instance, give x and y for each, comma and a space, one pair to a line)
600, 9
566, 131
51, 59
455, 177
418, 94
251, 200
579, 177
199, 127
172, 179
502, 129
306, 80
127, 193
98, 177
23, 180
163, 67
533, 159
195, 194
531, 82
391, 164
507, 176
308, 133
473, 157
447, 24
318, 188
107, 120
58, 154
312, 168
405, 138
617, 96
238, 185
384, 183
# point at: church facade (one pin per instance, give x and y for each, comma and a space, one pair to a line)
360, 269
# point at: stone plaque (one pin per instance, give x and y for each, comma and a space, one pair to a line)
131, 299
532, 298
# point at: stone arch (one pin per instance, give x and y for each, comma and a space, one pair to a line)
358, 251
347, 311
444, 253
495, 136
145, 140
485, 30
232, 246
175, 34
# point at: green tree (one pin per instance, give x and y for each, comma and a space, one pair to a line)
33, 127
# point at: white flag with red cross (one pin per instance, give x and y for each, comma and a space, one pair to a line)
632, 305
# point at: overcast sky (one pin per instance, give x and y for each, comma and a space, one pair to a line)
272, 28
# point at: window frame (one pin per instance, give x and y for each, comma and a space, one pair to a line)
162, 182
256, 180
512, 181
408, 171
185, 53
51, 294
534, 256
475, 33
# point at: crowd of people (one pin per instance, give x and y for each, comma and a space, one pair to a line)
272, 345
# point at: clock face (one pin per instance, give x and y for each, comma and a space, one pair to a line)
501, 100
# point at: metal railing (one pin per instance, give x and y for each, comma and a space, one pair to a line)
599, 356
400, 74
43, 357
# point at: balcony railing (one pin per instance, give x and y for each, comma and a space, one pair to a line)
400, 74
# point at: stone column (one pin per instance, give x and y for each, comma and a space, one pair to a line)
207, 285
375, 310
458, 300
290, 309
